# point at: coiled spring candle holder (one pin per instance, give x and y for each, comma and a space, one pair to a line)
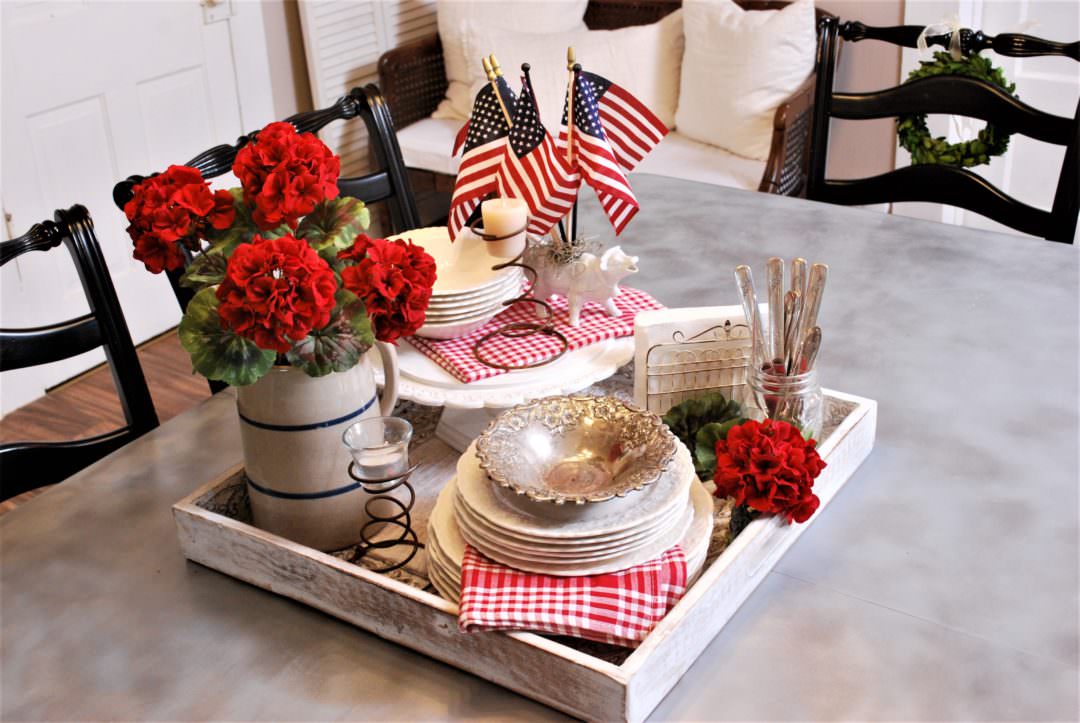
380, 491
380, 465
519, 329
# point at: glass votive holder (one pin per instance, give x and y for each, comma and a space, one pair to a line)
793, 398
379, 447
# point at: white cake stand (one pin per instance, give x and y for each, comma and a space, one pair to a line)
468, 408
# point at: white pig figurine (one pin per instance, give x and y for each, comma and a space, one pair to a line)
587, 278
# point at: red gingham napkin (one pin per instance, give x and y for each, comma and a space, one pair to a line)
618, 608
456, 355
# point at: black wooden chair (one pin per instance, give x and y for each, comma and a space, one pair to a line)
28, 465
951, 95
389, 184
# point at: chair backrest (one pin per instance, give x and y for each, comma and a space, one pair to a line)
389, 184
28, 465
949, 95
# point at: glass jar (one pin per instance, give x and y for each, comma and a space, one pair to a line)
793, 398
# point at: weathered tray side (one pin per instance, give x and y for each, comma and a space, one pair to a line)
529, 664
674, 645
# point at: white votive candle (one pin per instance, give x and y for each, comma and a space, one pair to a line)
503, 217
382, 462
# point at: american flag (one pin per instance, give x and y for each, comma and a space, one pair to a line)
485, 142
592, 155
534, 170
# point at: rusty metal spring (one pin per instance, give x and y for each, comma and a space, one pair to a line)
380, 490
519, 329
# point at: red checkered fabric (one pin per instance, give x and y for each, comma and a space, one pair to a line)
456, 355
619, 608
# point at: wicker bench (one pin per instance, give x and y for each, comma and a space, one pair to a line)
413, 81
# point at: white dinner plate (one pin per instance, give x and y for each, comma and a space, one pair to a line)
434, 312
589, 545
461, 266
495, 304
562, 548
694, 542
540, 560
506, 279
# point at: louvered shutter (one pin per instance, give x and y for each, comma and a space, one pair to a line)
343, 40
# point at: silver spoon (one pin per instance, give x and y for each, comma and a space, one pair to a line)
774, 278
791, 328
744, 279
810, 349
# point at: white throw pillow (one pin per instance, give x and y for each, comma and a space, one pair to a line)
739, 66
454, 16
644, 59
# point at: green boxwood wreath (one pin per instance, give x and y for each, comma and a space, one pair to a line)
914, 136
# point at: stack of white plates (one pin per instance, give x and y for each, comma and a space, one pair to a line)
568, 539
467, 292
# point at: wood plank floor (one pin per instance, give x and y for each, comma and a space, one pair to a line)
87, 405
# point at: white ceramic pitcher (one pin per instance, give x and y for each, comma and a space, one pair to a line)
295, 462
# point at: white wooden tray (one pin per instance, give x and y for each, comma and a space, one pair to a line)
583, 679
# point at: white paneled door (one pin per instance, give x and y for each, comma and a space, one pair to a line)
1029, 170
92, 93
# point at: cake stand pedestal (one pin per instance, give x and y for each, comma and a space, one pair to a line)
468, 408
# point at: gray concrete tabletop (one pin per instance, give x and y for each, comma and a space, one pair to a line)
941, 584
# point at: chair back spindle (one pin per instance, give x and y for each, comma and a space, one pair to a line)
28, 465
389, 184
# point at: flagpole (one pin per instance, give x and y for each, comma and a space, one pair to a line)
573, 211
570, 82
492, 75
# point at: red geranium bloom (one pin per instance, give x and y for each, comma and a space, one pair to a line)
285, 174
276, 291
175, 207
158, 254
770, 467
394, 280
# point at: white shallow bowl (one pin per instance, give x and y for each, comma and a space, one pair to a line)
574, 524
463, 265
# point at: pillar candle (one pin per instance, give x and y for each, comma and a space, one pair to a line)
503, 216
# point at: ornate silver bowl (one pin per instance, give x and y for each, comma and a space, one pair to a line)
575, 449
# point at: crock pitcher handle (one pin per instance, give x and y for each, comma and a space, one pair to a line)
388, 354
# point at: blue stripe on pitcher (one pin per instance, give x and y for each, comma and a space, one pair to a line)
313, 425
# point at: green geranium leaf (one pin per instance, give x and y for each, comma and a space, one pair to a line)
243, 229
334, 225
705, 445
217, 352
207, 269
340, 344
687, 418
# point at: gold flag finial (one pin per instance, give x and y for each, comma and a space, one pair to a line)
487, 69
570, 58
495, 65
